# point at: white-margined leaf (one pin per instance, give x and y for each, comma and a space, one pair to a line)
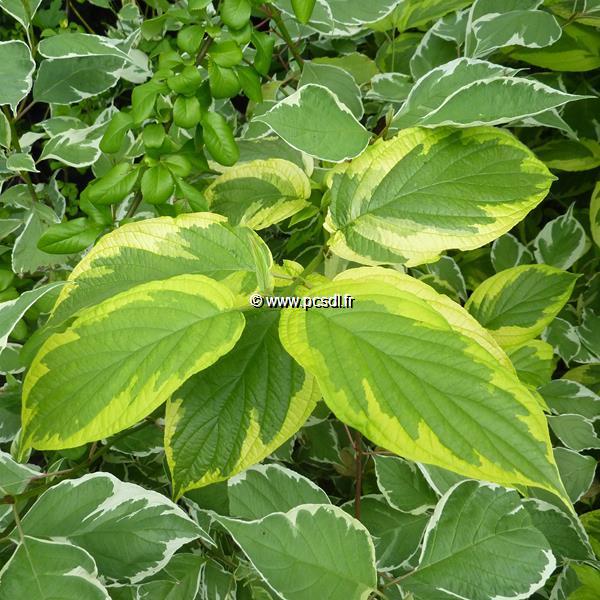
131, 532
21, 11
484, 533
16, 69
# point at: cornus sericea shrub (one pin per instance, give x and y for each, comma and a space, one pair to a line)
299, 299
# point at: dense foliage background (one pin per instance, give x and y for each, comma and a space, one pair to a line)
438, 161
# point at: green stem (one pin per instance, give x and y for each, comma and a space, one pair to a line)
204, 49
283, 30
14, 142
83, 21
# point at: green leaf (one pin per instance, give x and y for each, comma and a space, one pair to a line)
575, 432
385, 205
16, 68
12, 311
311, 551
157, 184
419, 386
338, 81
561, 242
591, 523
396, 535
179, 580
334, 133
258, 382
217, 583
235, 13
517, 304
67, 398
5, 132
21, 11
143, 99
403, 485
414, 13
114, 186
187, 82
219, 139
265, 489
14, 478
69, 237
189, 39
390, 87
568, 539
186, 112
576, 471
154, 249
570, 155
44, 570
484, 533
358, 12
224, 82
570, 397
264, 44
303, 9
251, 83
118, 127
508, 252
260, 192
467, 92
226, 53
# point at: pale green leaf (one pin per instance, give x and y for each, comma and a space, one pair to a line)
179, 580
564, 338
570, 397
78, 147
337, 80
419, 386
259, 193
517, 304
238, 411
16, 69
467, 92
484, 533
311, 551
265, 489
575, 432
403, 485
73, 393
576, 471
20, 10
20, 161
131, 532
508, 252
385, 206
46, 570
314, 121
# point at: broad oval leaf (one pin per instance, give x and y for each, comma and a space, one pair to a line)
418, 386
311, 551
154, 249
117, 362
238, 411
45, 570
484, 533
131, 532
385, 206
260, 192
517, 304
314, 121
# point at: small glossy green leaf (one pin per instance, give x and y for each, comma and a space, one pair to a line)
517, 304
115, 133
484, 533
186, 82
303, 9
69, 237
186, 112
219, 139
224, 82
264, 44
67, 401
226, 53
334, 133
189, 39
235, 13
114, 186
250, 82
312, 550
